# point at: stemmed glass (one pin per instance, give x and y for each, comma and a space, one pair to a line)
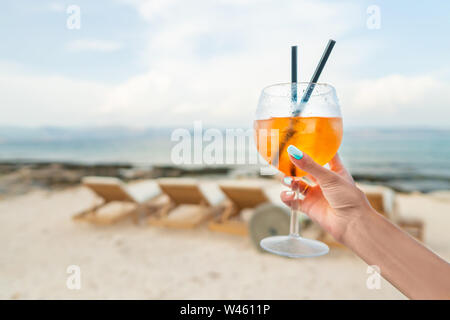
316, 130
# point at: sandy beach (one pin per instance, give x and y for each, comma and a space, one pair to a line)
144, 145
39, 240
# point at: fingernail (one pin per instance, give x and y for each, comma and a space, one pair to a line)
295, 152
289, 193
288, 180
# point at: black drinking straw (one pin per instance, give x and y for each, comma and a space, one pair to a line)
294, 74
290, 132
316, 75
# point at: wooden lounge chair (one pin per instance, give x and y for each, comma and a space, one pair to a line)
253, 208
382, 199
144, 197
190, 203
241, 194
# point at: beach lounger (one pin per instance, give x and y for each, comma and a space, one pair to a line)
253, 208
145, 197
190, 203
382, 199
240, 195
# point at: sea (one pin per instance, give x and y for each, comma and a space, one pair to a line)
404, 159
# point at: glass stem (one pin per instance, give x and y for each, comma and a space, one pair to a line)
295, 223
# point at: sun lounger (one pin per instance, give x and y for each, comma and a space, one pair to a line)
253, 208
240, 195
143, 195
190, 203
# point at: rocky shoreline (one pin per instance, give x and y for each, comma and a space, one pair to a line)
19, 177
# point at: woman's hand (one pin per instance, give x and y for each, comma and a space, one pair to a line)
343, 210
334, 202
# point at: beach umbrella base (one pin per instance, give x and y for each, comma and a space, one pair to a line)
268, 220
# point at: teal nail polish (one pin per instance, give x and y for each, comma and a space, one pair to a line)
295, 152
288, 181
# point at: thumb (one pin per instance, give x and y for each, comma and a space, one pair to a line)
306, 163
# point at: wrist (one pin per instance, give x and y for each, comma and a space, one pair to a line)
359, 227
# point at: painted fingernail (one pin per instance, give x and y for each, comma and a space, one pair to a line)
295, 152
288, 181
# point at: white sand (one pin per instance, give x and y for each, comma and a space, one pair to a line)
38, 241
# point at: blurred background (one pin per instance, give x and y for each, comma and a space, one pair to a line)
98, 87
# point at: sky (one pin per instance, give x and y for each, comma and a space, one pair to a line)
166, 63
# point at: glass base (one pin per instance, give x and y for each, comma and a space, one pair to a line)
294, 246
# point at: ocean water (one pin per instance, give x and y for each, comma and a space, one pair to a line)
404, 159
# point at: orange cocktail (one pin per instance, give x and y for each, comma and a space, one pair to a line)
319, 137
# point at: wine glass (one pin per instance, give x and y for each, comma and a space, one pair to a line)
315, 127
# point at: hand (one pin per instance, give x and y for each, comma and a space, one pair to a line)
343, 210
335, 203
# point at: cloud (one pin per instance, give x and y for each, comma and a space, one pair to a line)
394, 92
153, 99
56, 7
215, 61
209, 60
93, 45
151, 8
30, 100
396, 99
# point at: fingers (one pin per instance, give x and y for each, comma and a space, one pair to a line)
296, 184
337, 166
310, 180
306, 163
287, 197
290, 199
287, 181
